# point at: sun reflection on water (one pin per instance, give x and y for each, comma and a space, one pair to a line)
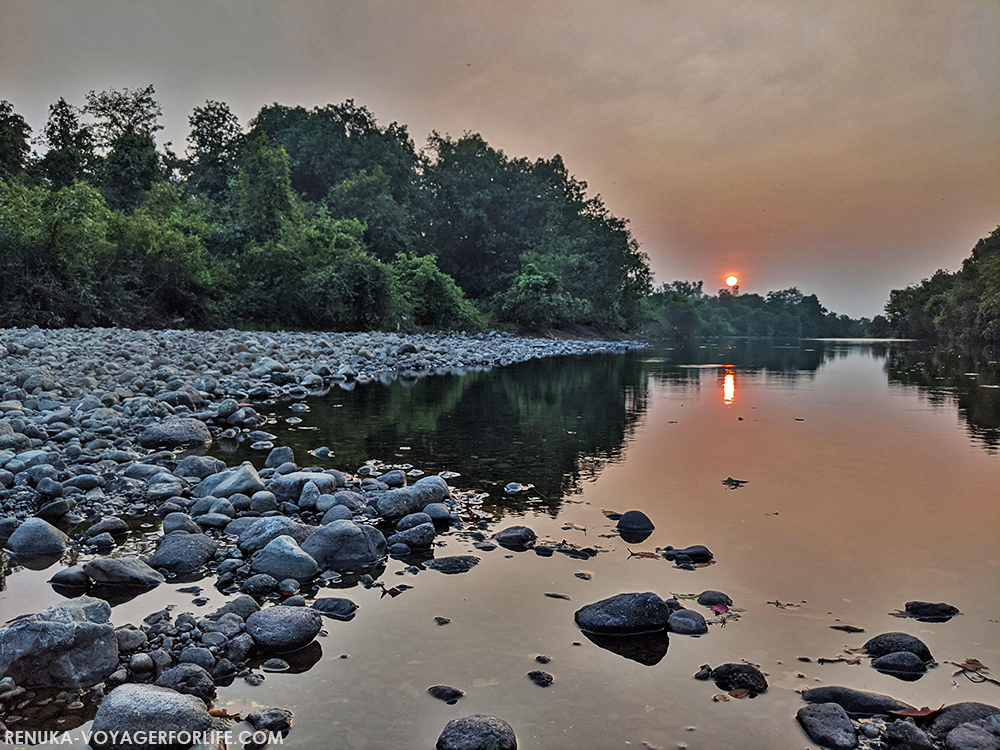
729, 386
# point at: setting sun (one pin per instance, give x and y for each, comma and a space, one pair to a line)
732, 281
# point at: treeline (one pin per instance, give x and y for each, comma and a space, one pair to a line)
683, 310
961, 308
306, 218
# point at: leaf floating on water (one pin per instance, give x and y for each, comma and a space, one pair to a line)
739, 693
720, 698
720, 609
734, 484
222, 713
557, 596
840, 660
644, 555
921, 713
973, 664
685, 597
848, 628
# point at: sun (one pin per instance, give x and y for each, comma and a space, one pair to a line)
732, 281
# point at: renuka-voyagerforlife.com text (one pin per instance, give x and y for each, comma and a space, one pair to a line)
140, 737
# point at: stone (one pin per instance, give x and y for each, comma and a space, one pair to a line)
283, 629
199, 466
123, 571
264, 530
446, 693
147, 708
337, 608
477, 732
174, 433
828, 724
243, 480
960, 713
900, 662
735, 675
414, 519
635, 520
282, 556
624, 613
263, 501
197, 655
288, 487
890, 643
109, 525
346, 546
182, 554
337, 513
272, 720
453, 564
259, 585
687, 622
907, 736
857, 703
278, 456
696, 552
180, 522
974, 735
242, 606
73, 577
930, 611
417, 537
36, 538
515, 537
190, 679
710, 598
130, 638
68, 645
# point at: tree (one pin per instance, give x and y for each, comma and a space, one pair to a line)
128, 170
264, 191
70, 146
14, 134
125, 112
213, 146
367, 196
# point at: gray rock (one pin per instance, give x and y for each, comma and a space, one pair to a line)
635, 520
515, 537
123, 571
828, 724
403, 501
394, 478
931, 611
74, 577
734, 675
337, 513
265, 530
242, 606
687, 622
70, 644
288, 487
190, 679
130, 638
180, 522
890, 643
198, 466
284, 628
182, 554
453, 564
346, 546
336, 607
147, 708
263, 501
711, 598
960, 713
857, 703
417, 537
477, 732
282, 557
901, 662
624, 613
414, 519
974, 735
37, 538
259, 585
278, 456
272, 720
243, 480
110, 525
906, 736
437, 512
197, 655
174, 433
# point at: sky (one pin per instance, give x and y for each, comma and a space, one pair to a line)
843, 147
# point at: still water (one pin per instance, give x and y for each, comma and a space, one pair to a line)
872, 480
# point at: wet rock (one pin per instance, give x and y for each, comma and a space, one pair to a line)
453, 564
182, 554
337, 513
110, 525
283, 557
417, 537
242, 606
697, 553
446, 693
198, 466
931, 612
890, 643
477, 732
734, 676
711, 598
130, 638
624, 613
976, 735
180, 522
261, 584
203, 657
123, 571
636, 521
337, 608
857, 703
687, 622
70, 644
827, 724
174, 433
346, 546
902, 663
906, 736
278, 456
36, 538
284, 628
288, 487
243, 480
960, 713
190, 679
149, 708
273, 720
515, 537
72, 577
264, 530
540, 678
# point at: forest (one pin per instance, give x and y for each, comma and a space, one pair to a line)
325, 219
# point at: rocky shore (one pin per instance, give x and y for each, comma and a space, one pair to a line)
104, 429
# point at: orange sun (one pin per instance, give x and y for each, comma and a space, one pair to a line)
732, 281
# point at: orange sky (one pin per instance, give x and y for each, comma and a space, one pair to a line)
845, 147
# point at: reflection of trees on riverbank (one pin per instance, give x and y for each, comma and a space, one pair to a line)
966, 380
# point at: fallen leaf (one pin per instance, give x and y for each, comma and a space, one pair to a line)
646, 555
719, 698
922, 713
221, 713
739, 693
684, 596
720, 609
972, 664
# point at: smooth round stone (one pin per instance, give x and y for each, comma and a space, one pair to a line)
284, 628
477, 732
687, 622
635, 520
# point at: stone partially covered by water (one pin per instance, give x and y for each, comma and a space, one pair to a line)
624, 613
477, 732
284, 628
828, 725
735, 675
151, 708
857, 703
890, 643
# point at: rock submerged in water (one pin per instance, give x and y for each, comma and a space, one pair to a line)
736, 676
687, 622
515, 538
828, 724
890, 643
283, 629
453, 565
902, 664
624, 614
477, 732
335, 607
70, 644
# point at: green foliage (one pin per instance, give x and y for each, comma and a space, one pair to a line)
431, 298
128, 171
535, 299
14, 134
121, 113
367, 196
213, 145
70, 153
264, 196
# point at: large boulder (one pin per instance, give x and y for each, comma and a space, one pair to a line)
243, 480
857, 703
129, 709
283, 558
173, 433
477, 732
406, 500
288, 487
69, 645
346, 546
265, 530
624, 613
182, 554
123, 571
37, 538
284, 628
